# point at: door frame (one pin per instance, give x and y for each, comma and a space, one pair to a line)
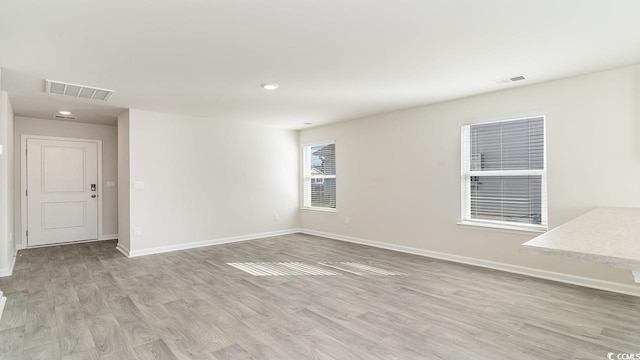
23, 184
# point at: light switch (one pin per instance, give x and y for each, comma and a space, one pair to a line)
137, 230
111, 184
138, 184
0, 149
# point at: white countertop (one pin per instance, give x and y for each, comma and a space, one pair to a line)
605, 235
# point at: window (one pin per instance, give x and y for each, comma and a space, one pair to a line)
319, 176
504, 174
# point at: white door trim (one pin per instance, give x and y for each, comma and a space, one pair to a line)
23, 181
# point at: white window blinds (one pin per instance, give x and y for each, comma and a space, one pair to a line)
504, 173
319, 176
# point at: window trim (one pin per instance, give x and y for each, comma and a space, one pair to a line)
304, 177
503, 226
465, 219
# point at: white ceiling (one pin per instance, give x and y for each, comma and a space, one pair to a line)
334, 60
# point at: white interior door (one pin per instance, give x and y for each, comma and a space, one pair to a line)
62, 194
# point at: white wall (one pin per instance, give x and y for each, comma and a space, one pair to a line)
209, 179
399, 173
123, 179
106, 133
7, 246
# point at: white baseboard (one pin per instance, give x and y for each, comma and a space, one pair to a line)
109, 237
8, 271
3, 301
197, 244
123, 249
537, 273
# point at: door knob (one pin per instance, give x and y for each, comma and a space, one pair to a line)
94, 196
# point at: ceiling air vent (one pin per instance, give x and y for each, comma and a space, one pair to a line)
65, 117
510, 79
80, 91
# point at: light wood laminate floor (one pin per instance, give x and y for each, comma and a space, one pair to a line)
87, 301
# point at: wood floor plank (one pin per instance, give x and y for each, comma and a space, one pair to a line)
12, 343
15, 310
91, 354
92, 300
40, 313
155, 350
108, 338
234, 351
138, 333
72, 329
64, 292
48, 351
41, 335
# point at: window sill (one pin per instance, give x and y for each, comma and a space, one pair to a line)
319, 209
514, 229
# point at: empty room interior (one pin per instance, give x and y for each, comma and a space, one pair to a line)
320, 180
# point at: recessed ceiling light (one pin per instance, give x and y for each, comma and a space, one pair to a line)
65, 112
306, 123
270, 86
